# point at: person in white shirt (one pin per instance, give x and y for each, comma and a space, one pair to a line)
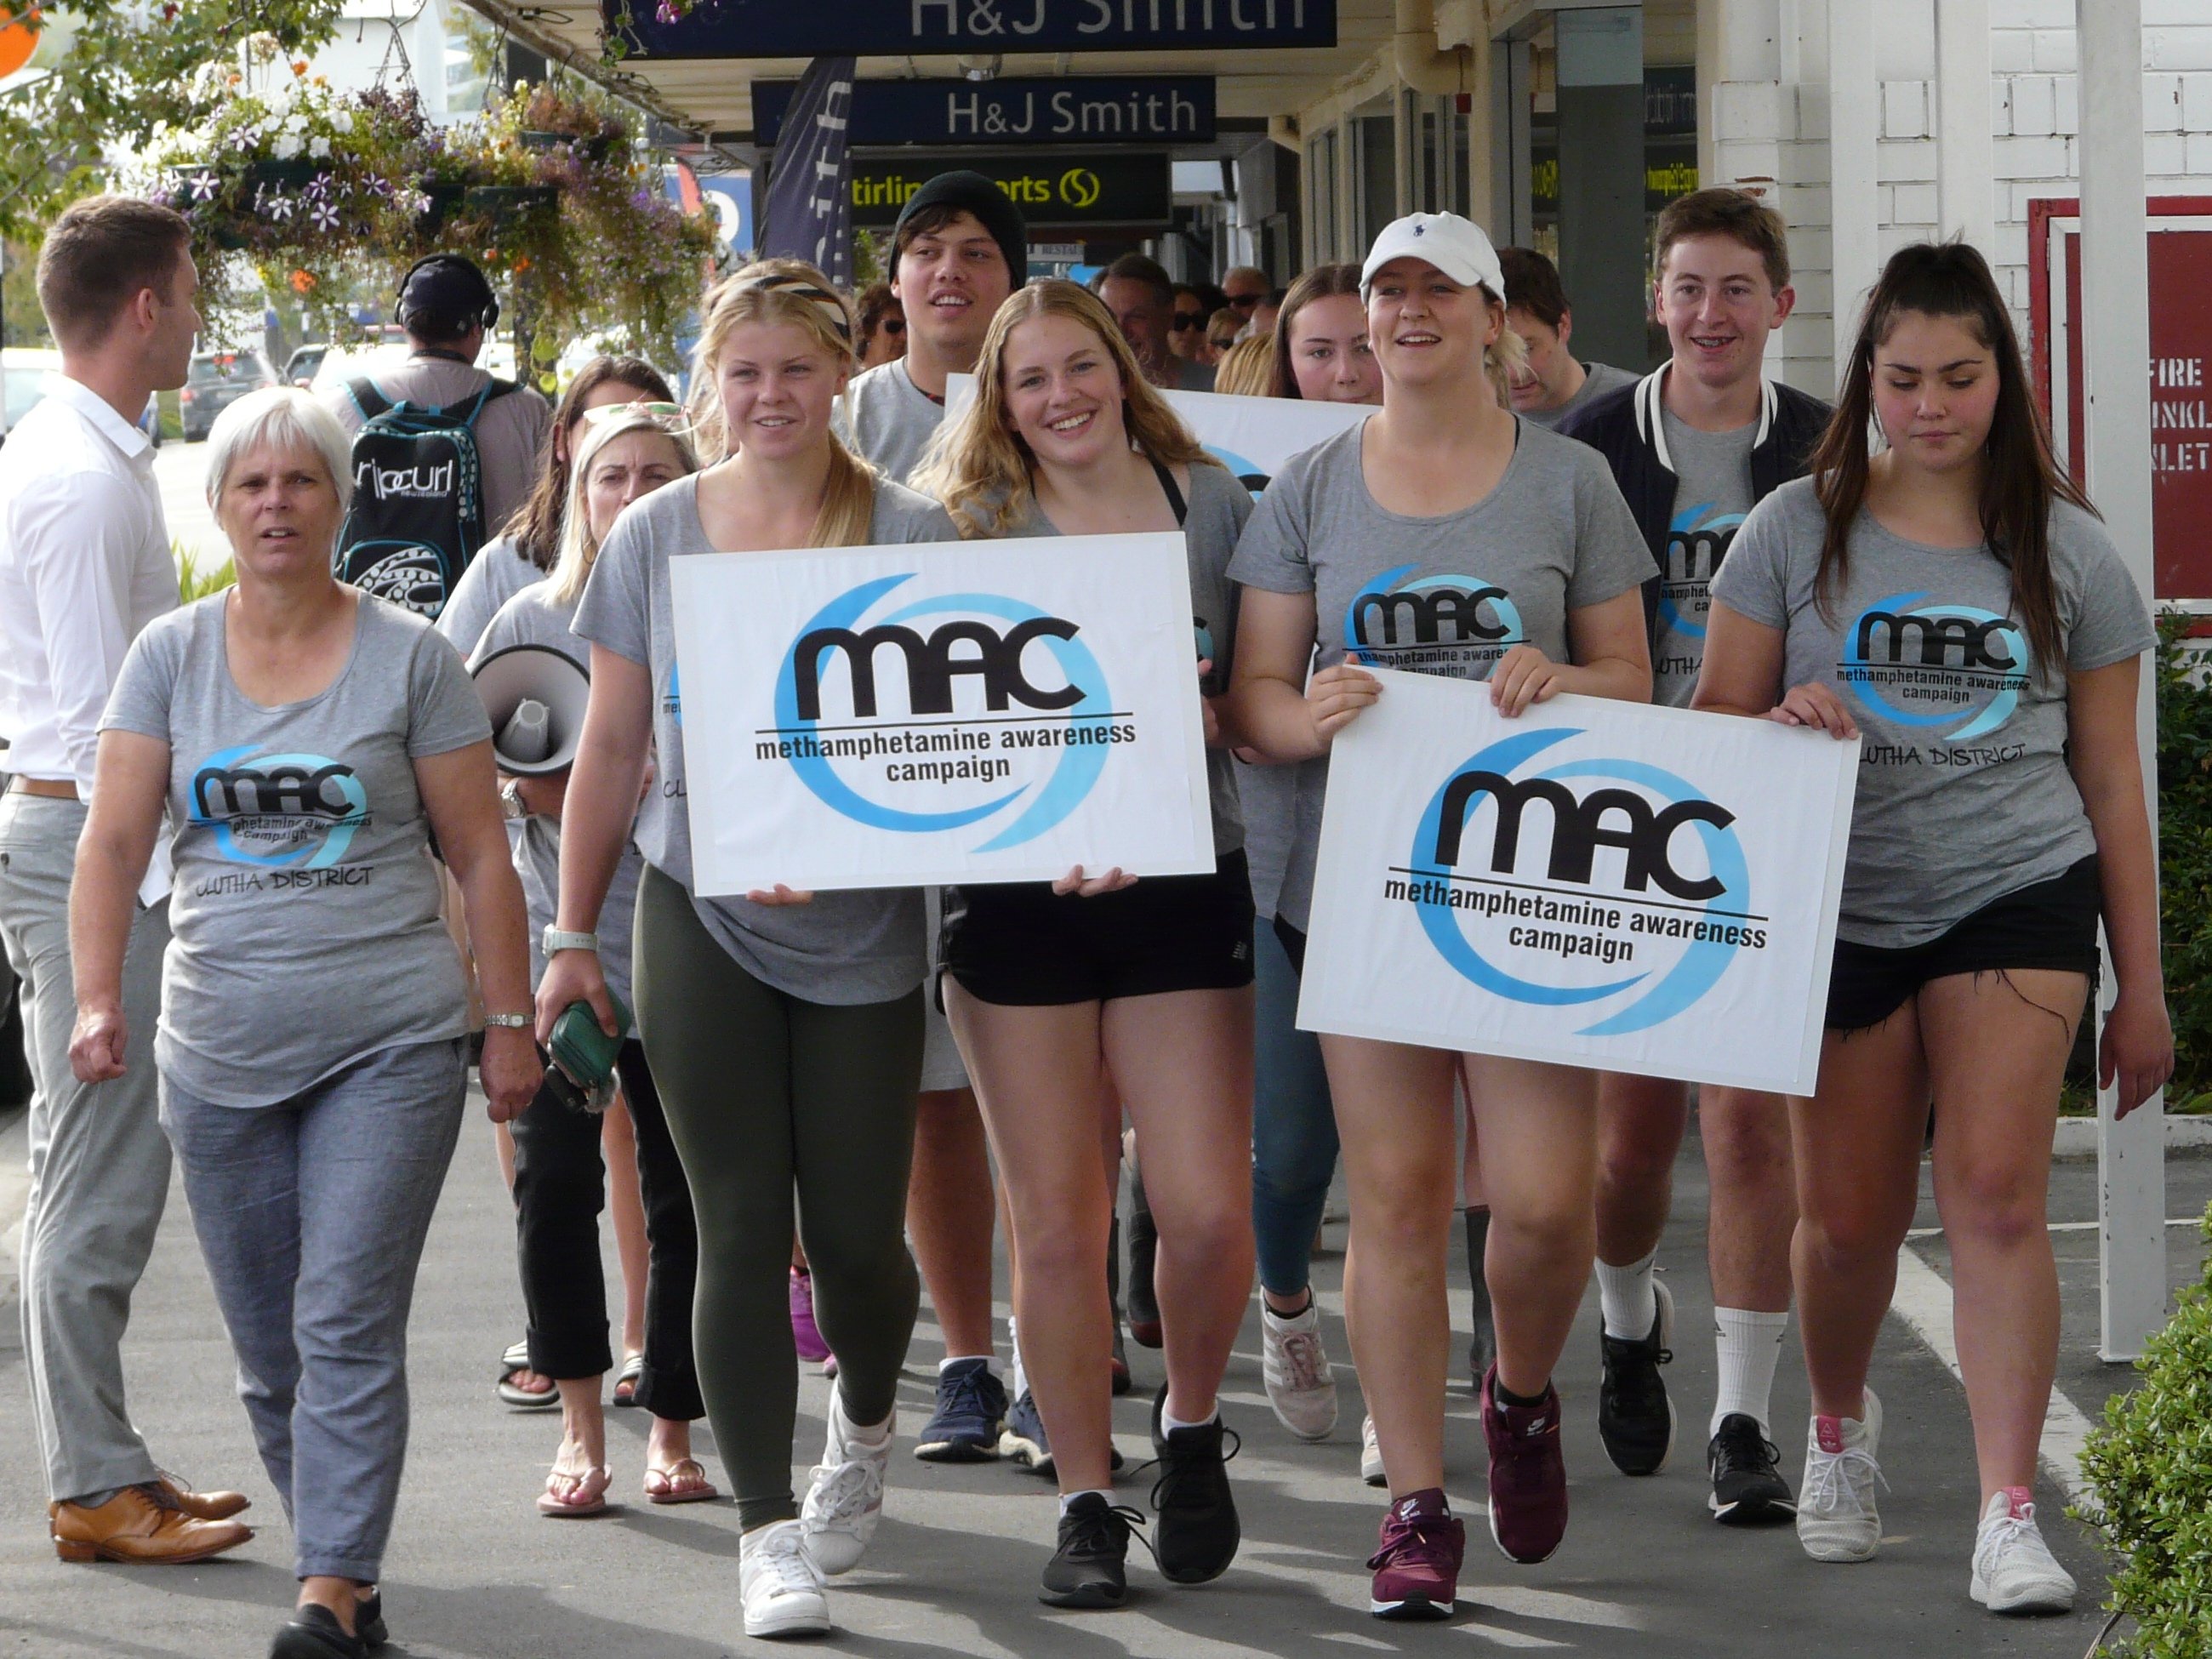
84, 565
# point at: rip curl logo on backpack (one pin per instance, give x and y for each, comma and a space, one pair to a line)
278, 811
954, 712
1628, 892
411, 576
1450, 621
1928, 665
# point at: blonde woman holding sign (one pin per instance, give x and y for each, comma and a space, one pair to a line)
784, 1029
1099, 987
1445, 487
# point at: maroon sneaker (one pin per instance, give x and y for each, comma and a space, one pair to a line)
1527, 1475
1417, 1566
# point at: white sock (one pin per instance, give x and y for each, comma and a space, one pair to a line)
1749, 1345
1020, 1383
1067, 1497
1169, 1425
990, 1362
844, 1431
1627, 1299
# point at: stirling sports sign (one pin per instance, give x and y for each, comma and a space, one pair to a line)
1596, 883
947, 712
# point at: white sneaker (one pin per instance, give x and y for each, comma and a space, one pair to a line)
781, 1588
845, 1499
2014, 1569
1371, 1455
1301, 1387
1836, 1517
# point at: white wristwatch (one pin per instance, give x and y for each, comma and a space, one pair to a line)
513, 1022
554, 941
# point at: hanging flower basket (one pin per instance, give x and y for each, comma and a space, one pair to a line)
507, 206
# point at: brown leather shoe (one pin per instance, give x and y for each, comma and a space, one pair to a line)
140, 1525
205, 1505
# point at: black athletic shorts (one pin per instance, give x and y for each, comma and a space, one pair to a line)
1025, 945
2051, 924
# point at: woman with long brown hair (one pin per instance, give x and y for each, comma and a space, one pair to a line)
1321, 348
783, 1029
1953, 600
1100, 988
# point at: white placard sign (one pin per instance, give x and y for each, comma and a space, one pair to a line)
942, 711
1595, 883
1251, 436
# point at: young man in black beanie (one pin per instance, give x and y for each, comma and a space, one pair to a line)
959, 248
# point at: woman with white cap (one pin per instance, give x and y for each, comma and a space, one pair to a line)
1445, 489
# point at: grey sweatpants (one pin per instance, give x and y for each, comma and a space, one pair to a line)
100, 1168
312, 1213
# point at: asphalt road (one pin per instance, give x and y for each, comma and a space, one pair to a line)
181, 470
474, 1573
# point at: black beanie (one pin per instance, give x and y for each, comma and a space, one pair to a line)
971, 192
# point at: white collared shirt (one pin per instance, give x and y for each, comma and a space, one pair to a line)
84, 564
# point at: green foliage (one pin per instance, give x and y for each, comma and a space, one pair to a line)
2184, 795
19, 296
195, 582
110, 72
2150, 1465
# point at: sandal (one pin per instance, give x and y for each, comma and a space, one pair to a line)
586, 1496
512, 1363
683, 1482
626, 1380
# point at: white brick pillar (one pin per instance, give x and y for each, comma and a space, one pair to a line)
1854, 147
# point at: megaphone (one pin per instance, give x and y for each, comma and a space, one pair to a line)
536, 697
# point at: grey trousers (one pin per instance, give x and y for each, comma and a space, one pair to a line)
100, 1166
312, 1213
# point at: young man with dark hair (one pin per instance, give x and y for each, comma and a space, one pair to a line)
84, 565
1694, 445
443, 306
1142, 299
958, 249
1552, 384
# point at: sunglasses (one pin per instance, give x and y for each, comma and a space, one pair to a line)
665, 414
893, 325
1184, 319
1244, 301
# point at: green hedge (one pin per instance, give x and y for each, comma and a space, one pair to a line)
2150, 1465
2184, 792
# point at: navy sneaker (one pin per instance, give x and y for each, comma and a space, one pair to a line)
971, 1409
1025, 1444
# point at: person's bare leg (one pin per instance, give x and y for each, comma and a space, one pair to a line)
1038, 1076
1998, 1045
1394, 1115
1857, 1151
1181, 1064
1640, 1124
583, 1438
1750, 1218
950, 1211
626, 1206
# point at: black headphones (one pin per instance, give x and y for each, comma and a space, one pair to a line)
486, 315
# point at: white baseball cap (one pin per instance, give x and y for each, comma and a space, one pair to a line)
1454, 245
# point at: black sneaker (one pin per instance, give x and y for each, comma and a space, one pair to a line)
1196, 1535
1635, 1419
1087, 1568
1747, 1469
368, 1622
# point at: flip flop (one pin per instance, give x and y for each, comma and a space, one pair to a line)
514, 1362
683, 1482
626, 1380
588, 1498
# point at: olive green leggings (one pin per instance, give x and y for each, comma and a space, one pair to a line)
765, 1092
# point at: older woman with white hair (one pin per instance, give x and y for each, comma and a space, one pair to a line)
307, 741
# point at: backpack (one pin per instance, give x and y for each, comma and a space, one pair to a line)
417, 514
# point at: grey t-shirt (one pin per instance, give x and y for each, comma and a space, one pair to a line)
534, 616
304, 921
1267, 800
1444, 595
891, 421
1598, 378
510, 431
845, 948
496, 574
1964, 795
1712, 492
1215, 515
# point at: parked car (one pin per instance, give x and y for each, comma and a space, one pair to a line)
300, 367
21, 369
215, 380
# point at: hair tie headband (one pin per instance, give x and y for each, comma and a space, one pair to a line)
821, 298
